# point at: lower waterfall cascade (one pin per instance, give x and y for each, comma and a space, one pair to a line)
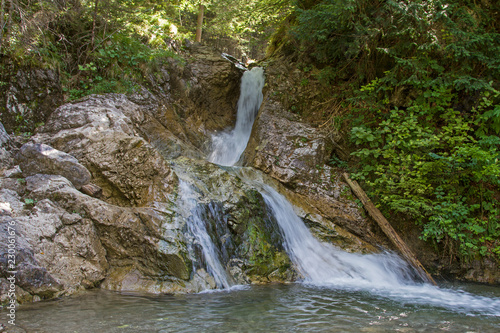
319, 264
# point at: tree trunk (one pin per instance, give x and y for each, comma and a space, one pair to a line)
2, 22
199, 24
94, 24
9, 22
388, 230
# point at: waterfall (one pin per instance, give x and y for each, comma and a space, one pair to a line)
227, 147
317, 262
322, 263
197, 225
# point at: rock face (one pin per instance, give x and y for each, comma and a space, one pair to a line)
5, 155
203, 91
208, 81
29, 98
295, 154
101, 132
137, 237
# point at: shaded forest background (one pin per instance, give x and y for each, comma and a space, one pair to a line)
412, 86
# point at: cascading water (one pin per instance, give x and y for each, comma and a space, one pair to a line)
319, 263
227, 147
198, 228
384, 274
323, 263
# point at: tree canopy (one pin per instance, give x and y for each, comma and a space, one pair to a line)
107, 45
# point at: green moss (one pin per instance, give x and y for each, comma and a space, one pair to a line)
258, 237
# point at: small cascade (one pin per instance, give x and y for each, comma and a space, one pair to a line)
227, 147
197, 225
321, 263
384, 274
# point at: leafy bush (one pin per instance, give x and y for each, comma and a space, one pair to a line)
426, 109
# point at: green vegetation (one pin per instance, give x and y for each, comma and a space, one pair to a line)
102, 46
422, 79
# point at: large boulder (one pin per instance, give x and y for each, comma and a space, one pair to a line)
56, 251
42, 159
103, 132
128, 238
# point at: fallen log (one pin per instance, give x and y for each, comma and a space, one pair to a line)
388, 230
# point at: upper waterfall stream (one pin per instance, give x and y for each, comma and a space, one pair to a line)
227, 147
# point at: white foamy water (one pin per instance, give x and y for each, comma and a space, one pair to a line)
187, 202
384, 274
227, 147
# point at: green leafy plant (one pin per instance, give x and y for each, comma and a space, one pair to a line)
424, 108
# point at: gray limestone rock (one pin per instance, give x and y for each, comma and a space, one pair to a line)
35, 158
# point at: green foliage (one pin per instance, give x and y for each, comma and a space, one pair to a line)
425, 108
106, 45
441, 176
119, 65
335, 161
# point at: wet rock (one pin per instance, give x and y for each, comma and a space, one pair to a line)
43, 159
239, 223
5, 155
295, 153
483, 271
